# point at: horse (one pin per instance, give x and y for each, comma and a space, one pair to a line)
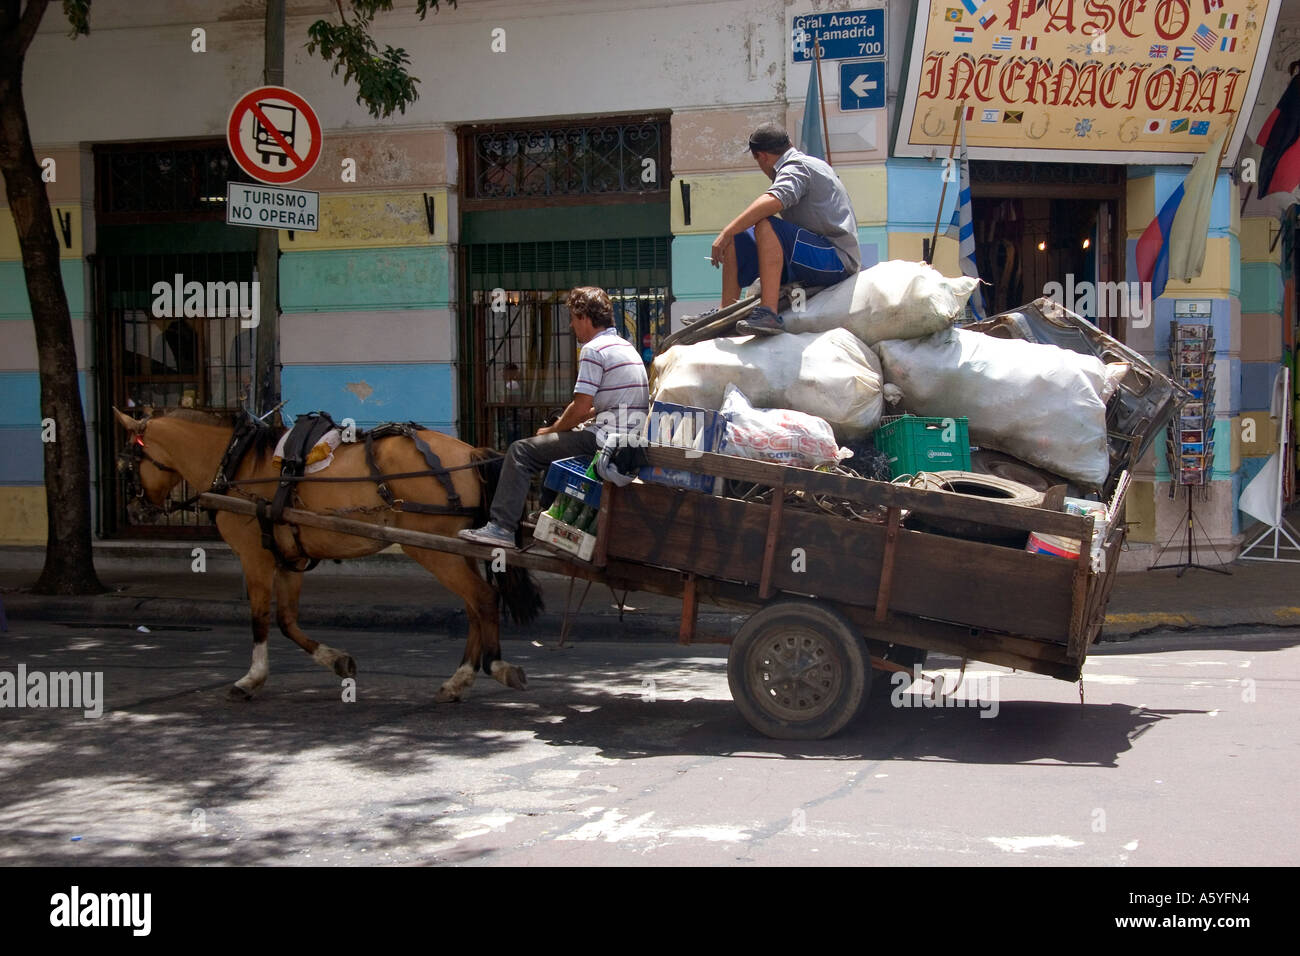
189, 444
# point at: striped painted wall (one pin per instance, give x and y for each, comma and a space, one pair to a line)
1152, 513
367, 330
22, 468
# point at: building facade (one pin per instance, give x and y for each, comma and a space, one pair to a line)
553, 144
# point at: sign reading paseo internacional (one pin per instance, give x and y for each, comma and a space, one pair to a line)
1109, 81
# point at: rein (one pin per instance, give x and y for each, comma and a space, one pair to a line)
242, 440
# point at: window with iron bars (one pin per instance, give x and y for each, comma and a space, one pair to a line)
163, 182
587, 159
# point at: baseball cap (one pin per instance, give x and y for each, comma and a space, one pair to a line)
769, 138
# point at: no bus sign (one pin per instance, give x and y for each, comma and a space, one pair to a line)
274, 135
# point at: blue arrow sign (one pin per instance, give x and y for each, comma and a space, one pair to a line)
862, 85
843, 34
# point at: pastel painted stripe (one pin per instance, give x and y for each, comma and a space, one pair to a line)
370, 394
366, 280
23, 462
20, 399
14, 303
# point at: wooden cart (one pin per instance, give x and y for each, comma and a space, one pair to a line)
831, 598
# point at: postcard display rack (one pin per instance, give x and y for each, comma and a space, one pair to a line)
1191, 434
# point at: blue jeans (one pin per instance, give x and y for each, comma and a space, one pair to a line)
809, 258
526, 458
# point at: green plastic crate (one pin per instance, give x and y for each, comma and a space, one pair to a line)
914, 443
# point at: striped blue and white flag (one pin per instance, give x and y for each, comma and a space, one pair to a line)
963, 230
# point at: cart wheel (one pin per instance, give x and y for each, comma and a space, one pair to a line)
797, 671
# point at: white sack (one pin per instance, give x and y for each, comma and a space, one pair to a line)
891, 300
778, 434
1039, 403
832, 375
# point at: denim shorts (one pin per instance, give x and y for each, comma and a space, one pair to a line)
809, 258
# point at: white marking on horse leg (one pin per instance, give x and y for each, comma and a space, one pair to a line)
337, 661
510, 675
457, 684
257, 672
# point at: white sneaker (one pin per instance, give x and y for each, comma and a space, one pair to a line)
491, 534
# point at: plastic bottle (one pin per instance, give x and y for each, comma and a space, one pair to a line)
556, 510
572, 508
586, 518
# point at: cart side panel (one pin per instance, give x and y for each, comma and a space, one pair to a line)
968, 582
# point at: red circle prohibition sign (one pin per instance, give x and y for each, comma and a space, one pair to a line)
275, 134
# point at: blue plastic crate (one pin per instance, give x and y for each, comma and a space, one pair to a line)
707, 432
568, 476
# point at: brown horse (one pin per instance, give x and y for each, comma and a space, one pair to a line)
190, 445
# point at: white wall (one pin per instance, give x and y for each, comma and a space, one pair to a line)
135, 76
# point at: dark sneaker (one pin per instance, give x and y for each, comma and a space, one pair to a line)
762, 321
491, 534
702, 317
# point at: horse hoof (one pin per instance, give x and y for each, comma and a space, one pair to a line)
445, 696
238, 693
516, 679
345, 666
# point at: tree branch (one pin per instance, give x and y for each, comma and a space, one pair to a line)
28, 24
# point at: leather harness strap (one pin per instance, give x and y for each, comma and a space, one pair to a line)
411, 430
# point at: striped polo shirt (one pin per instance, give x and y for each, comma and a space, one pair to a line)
611, 371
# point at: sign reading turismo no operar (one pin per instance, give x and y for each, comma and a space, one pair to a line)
270, 207
275, 137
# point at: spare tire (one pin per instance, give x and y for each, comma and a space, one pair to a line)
987, 462
976, 486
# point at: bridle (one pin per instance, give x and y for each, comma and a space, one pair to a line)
129, 460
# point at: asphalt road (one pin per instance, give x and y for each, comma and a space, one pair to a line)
632, 753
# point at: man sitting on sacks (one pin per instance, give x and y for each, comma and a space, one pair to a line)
612, 387
815, 240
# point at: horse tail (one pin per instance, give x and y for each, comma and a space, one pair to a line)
517, 591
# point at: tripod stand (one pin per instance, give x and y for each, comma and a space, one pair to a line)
1190, 545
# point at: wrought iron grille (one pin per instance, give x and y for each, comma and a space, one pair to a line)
155, 361
518, 361
594, 159
164, 182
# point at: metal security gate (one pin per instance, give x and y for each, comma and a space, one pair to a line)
518, 357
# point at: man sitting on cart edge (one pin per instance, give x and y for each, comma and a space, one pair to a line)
815, 240
612, 387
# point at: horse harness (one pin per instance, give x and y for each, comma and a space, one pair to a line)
306, 432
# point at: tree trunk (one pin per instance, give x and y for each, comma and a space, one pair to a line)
69, 563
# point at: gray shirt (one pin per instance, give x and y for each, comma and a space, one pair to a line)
813, 198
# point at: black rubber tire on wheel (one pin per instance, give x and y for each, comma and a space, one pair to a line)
798, 671
976, 486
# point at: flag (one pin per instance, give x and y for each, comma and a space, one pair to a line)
1184, 53
1028, 43
811, 135
963, 230
952, 15
971, 5
1156, 126
1159, 51
987, 20
1013, 116
1173, 246
1227, 21
963, 34
1228, 44
1204, 37
1002, 43
1279, 166
1200, 128
990, 116
1212, 5
1179, 125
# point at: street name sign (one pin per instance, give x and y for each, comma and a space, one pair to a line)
842, 34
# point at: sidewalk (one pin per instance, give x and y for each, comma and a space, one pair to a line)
153, 584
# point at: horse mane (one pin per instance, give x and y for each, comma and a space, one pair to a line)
264, 439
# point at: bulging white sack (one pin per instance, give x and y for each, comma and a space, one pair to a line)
832, 375
1040, 403
891, 300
